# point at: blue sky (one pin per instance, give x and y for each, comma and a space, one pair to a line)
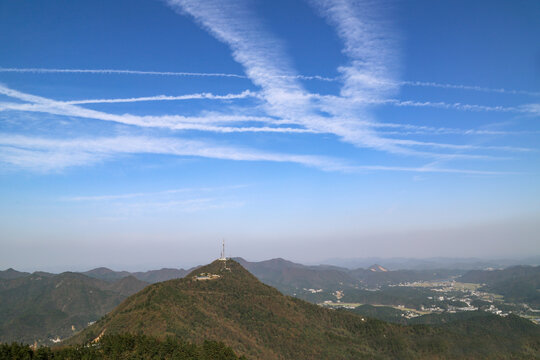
136, 134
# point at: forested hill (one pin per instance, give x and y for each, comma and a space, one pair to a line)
11, 273
126, 346
516, 283
42, 307
254, 319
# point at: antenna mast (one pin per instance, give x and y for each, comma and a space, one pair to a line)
223, 258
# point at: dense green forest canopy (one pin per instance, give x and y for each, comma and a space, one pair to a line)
125, 346
516, 283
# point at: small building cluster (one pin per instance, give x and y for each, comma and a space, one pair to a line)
206, 276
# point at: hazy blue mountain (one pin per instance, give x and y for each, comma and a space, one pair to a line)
432, 263
154, 276
151, 276
12, 274
106, 274
289, 277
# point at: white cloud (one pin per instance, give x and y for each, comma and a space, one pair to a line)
173, 122
46, 154
240, 76
158, 73
367, 80
188, 205
531, 108
200, 96
151, 194
214, 123
268, 66
462, 147
116, 71
369, 44
528, 108
468, 87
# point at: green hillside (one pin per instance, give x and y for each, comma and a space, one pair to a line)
392, 315
289, 277
115, 347
41, 307
516, 283
11, 273
258, 321
384, 313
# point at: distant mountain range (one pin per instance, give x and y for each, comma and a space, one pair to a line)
103, 273
287, 276
227, 303
152, 276
290, 277
432, 263
42, 306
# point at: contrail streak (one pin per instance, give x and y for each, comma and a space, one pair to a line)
161, 73
200, 96
240, 76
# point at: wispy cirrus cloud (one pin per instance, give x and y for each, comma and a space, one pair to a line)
532, 108
367, 80
187, 205
469, 87
182, 199
268, 66
463, 146
42, 104
369, 44
158, 73
215, 123
49, 154
173, 122
526, 109
117, 71
198, 96
151, 194
457, 106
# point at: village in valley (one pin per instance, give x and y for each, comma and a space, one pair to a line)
436, 297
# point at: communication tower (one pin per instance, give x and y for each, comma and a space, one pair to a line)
223, 258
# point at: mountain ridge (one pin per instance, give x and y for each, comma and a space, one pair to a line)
11, 273
225, 302
41, 306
